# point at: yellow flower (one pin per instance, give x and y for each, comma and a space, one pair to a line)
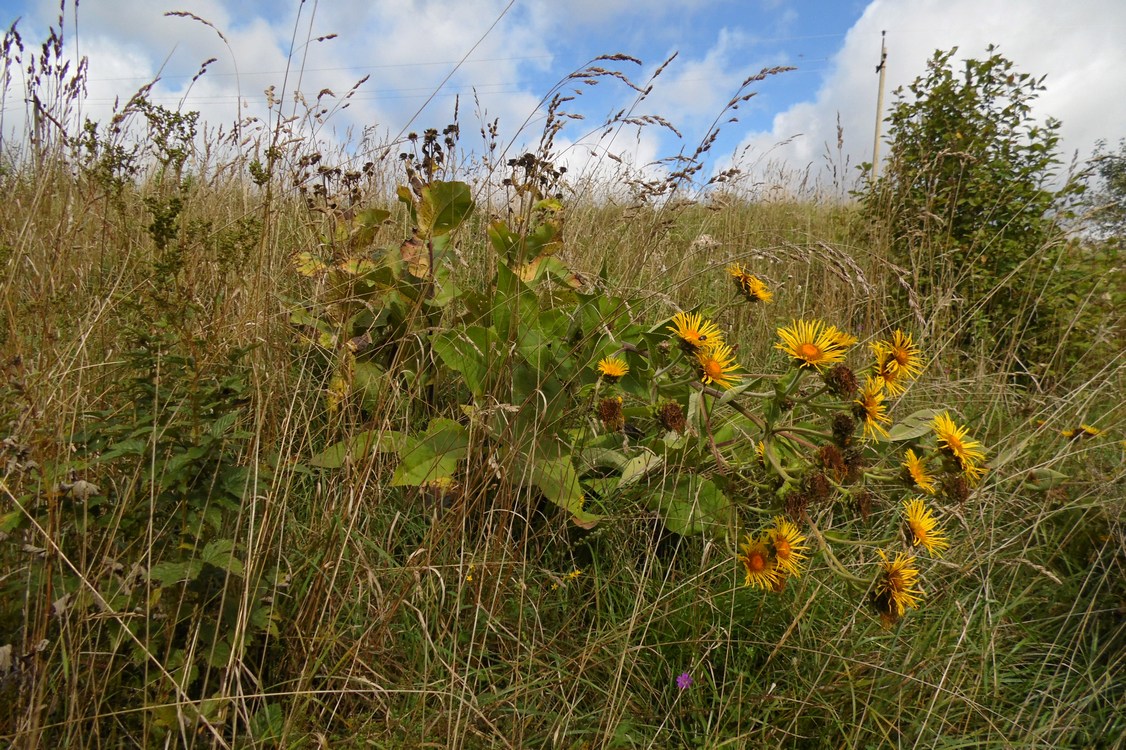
717, 365
750, 285
1085, 430
918, 472
924, 528
812, 343
786, 541
759, 563
695, 332
955, 441
896, 587
612, 368
897, 360
870, 408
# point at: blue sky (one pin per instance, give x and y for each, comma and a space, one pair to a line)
408, 47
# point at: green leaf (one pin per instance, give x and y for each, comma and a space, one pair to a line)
468, 352
221, 554
358, 447
10, 521
638, 466
1043, 479
913, 426
372, 383
692, 505
504, 241
170, 572
559, 482
443, 208
434, 456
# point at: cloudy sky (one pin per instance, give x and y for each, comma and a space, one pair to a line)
499, 58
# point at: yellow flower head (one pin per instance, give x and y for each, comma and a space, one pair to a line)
955, 441
923, 527
695, 332
1085, 430
612, 368
717, 365
871, 409
896, 587
897, 360
750, 285
787, 544
759, 563
812, 343
918, 473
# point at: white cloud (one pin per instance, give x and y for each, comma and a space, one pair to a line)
1075, 44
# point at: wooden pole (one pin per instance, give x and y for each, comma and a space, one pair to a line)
881, 69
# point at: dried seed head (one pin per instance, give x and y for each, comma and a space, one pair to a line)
841, 381
672, 417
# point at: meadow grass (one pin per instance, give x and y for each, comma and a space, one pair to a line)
177, 571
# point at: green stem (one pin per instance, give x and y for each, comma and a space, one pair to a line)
834, 563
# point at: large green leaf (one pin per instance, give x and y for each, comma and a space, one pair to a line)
692, 505
913, 426
443, 208
468, 352
559, 482
434, 456
358, 447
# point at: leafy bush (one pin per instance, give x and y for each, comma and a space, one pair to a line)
969, 202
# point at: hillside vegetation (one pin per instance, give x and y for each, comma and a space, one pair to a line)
411, 449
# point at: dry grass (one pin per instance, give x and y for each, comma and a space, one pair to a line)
367, 614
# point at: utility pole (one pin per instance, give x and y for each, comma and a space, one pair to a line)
881, 69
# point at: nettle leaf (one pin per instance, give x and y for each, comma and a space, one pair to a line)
692, 505
221, 554
167, 573
434, 456
358, 447
444, 206
913, 426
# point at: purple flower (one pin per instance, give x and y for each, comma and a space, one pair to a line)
683, 681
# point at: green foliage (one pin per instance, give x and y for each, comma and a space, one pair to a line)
970, 200
1108, 200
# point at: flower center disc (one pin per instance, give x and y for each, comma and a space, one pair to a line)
809, 351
